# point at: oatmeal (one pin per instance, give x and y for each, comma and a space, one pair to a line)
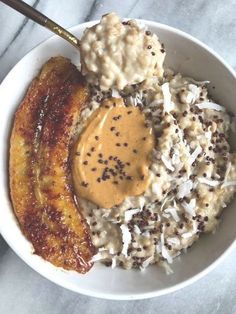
190, 173
116, 54
192, 177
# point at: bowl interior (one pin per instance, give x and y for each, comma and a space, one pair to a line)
184, 54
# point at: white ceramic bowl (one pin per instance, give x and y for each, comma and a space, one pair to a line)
184, 54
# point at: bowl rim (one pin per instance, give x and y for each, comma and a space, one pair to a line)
120, 296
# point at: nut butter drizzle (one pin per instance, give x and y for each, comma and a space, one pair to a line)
111, 157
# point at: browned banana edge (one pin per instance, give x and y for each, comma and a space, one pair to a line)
40, 181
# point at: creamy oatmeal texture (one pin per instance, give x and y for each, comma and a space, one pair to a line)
192, 174
116, 54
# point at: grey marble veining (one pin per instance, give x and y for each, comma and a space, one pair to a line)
22, 290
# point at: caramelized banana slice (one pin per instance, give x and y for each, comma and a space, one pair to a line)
40, 180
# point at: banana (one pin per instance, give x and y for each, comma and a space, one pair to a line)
39, 167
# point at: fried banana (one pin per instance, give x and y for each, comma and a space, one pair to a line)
40, 180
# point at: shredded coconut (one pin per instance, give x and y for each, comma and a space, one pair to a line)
185, 188
168, 104
167, 163
171, 197
190, 207
173, 212
129, 213
195, 154
208, 181
155, 188
146, 262
126, 239
115, 93
197, 82
186, 235
97, 257
210, 105
113, 262
173, 240
137, 230
227, 171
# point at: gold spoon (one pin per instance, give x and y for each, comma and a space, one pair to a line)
41, 19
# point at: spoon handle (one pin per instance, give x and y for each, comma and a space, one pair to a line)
41, 19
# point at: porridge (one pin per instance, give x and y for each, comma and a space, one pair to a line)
116, 54
192, 176
151, 184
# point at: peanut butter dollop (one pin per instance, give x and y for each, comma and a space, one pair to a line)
112, 154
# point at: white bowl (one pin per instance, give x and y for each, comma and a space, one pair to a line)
184, 54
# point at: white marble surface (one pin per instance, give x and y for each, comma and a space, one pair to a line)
23, 291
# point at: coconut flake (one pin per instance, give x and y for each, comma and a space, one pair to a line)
97, 257
208, 135
164, 251
173, 213
167, 162
168, 104
158, 248
210, 105
189, 98
166, 199
129, 213
132, 101
166, 254
126, 239
229, 183
166, 216
155, 188
146, 234
192, 94
195, 226
175, 158
115, 93
186, 235
146, 262
208, 181
141, 201
190, 207
113, 220
184, 188
196, 82
105, 215
227, 171
137, 230
111, 251
113, 262
194, 154
102, 249
194, 89
173, 240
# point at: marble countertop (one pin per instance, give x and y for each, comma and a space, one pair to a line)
22, 290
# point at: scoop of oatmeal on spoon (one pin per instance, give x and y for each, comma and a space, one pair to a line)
115, 53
